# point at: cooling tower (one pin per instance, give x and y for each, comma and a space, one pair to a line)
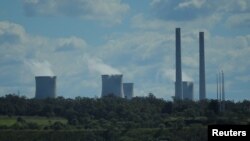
112, 85
178, 75
128, 90
45, 87
202, 84
188, 90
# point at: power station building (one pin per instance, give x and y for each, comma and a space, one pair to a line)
128, 90
188, 90
112, 85
45, 87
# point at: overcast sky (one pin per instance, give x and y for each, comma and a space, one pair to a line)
78, 40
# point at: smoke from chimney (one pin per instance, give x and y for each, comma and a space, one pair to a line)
170, 74
97, 65
40, 68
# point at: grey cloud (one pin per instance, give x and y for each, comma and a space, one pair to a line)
9, 38
70, 44
239, 20
11, 33
109, 10
180, 10
184, 10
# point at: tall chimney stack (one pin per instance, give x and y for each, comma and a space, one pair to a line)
223, 89
220, 87
217, 84
202, 67
178, 75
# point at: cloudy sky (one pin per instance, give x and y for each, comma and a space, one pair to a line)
78, 40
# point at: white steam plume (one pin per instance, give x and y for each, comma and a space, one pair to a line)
97, 65
170, 74
40, 68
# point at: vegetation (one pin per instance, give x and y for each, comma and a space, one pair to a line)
112, 118
41, 121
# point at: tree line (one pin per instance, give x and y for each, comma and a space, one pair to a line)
112, 118
139, 112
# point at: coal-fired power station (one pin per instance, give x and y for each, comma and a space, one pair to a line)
112, 85
128, 90
45, 87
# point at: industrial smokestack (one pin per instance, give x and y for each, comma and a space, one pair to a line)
188, 90
112, 85
45, 87
219, 91
223, 90
220, 87
178, 75
202, 67
217, 86
128, 90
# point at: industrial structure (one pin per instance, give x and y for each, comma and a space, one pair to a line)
188, 90
178, 75
45, 87
128, 90
112, 85
221, 91
180, 89
202, 84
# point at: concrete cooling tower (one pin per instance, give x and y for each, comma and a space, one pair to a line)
45, 87
188, 90
128, 90
112, 85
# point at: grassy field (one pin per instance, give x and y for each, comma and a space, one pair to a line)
139, 134
43, 121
